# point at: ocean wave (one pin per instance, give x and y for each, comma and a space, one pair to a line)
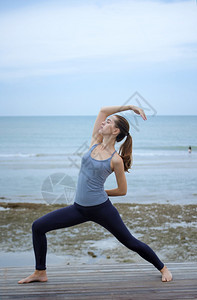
17, 154
162, 153
30, 154
166, 151
181, 148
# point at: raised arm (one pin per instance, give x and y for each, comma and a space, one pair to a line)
110, 110
106, 111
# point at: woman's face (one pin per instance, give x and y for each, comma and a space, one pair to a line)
108, 126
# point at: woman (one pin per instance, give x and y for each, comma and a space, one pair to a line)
91, 200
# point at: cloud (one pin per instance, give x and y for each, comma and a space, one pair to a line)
58, 38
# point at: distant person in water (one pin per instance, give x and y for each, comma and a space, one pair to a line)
91, 201
190, 149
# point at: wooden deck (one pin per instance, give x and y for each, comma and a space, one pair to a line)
110, 281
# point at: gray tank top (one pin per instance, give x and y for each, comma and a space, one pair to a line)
92, 176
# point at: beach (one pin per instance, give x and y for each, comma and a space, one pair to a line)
160, 207
168, 229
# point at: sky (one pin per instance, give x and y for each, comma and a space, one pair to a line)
66, 57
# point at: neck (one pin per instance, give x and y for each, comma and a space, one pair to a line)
108, 142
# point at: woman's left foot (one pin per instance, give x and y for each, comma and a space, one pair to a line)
36, 276
166, 274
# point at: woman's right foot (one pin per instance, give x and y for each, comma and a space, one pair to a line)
36, 276
166, 274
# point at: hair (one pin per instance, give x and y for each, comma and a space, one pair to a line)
125, 150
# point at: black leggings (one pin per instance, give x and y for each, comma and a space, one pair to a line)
104, 214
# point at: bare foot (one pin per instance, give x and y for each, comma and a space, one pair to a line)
36, 276
166, 274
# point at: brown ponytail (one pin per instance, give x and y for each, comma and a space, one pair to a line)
125, 150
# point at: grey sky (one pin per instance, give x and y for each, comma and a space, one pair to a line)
71, 58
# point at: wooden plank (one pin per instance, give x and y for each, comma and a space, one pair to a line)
112, 281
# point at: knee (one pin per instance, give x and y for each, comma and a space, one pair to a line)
134, 244
139, 246
36, 226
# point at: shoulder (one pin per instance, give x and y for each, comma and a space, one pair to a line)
117, 162
92, 145
94, 141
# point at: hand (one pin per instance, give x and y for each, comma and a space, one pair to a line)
139, 111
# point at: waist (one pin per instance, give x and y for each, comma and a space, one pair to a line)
90, 199
106, 202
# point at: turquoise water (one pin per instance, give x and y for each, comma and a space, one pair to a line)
34, 148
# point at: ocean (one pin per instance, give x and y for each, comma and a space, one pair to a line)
39, 164
33, 149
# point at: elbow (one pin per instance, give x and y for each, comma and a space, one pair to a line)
123, 193
123, 190
103, 109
